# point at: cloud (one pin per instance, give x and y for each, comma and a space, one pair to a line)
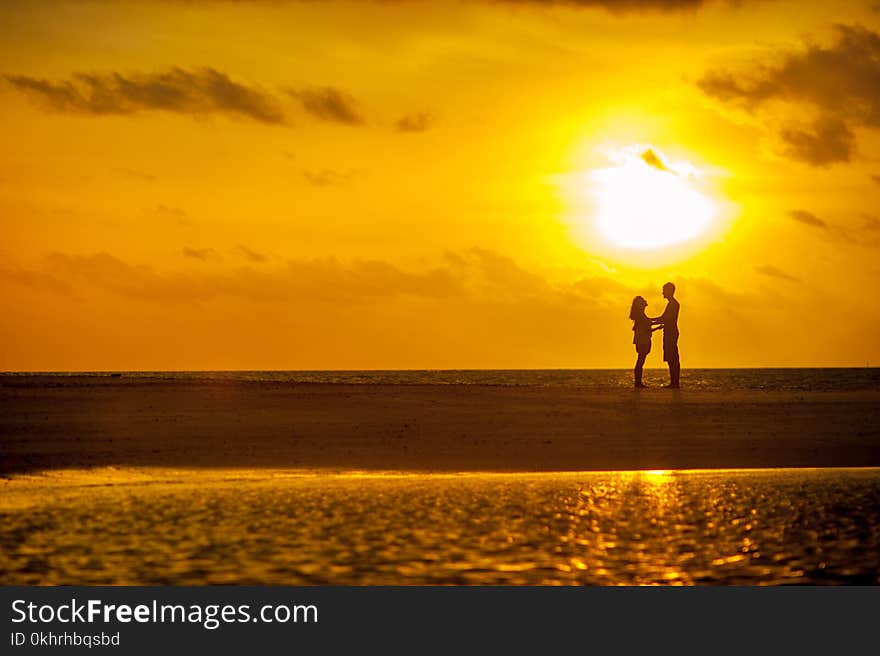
319, 280
772, 272
841, 77
477, 303
870, 223
35, 280
327, 177
865, 234
135, 175
472, 308
329, 104
620, 6
652, 159
876, 178
807, 218
177, 214
496, 275
250, 255
613, 6
489, 283
826, 142
491, 275
169, 210
838, 84
419, 122
203, 254
710, 290
198, 92
474, 276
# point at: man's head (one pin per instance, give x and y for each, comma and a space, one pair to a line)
668, 290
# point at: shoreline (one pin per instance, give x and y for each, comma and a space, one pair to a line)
29, 489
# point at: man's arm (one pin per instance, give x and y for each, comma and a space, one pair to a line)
663, 317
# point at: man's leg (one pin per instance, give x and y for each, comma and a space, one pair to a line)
674, 371
670, 354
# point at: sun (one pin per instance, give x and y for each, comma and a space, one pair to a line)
645, 201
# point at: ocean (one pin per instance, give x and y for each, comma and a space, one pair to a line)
815, 379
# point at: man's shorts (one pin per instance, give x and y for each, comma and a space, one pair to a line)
670, 348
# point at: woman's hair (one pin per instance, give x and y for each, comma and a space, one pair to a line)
637, 309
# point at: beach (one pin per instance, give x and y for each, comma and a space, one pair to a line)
52, 422
245, 479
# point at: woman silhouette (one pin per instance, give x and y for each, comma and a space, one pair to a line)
642, 338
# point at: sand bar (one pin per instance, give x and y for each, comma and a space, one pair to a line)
83, 423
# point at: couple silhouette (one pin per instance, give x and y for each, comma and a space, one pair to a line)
644, 327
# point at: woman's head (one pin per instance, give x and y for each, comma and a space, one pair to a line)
638, 307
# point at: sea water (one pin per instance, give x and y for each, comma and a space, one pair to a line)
783, 526
818, 379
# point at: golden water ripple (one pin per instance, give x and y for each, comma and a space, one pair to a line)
609, 528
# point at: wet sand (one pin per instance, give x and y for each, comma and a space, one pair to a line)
52, 423
185, 527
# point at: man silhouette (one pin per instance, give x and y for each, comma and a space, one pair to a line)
669, 320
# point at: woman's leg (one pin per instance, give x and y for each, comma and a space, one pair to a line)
640, 364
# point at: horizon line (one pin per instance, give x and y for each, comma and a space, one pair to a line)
377, 370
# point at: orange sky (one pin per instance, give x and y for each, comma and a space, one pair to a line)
304, 185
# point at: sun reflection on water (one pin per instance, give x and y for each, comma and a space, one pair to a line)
611, 528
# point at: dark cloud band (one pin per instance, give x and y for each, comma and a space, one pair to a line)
839, 84
198, 92
807, 218
329, 104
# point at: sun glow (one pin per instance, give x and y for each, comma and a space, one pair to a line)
646, 201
